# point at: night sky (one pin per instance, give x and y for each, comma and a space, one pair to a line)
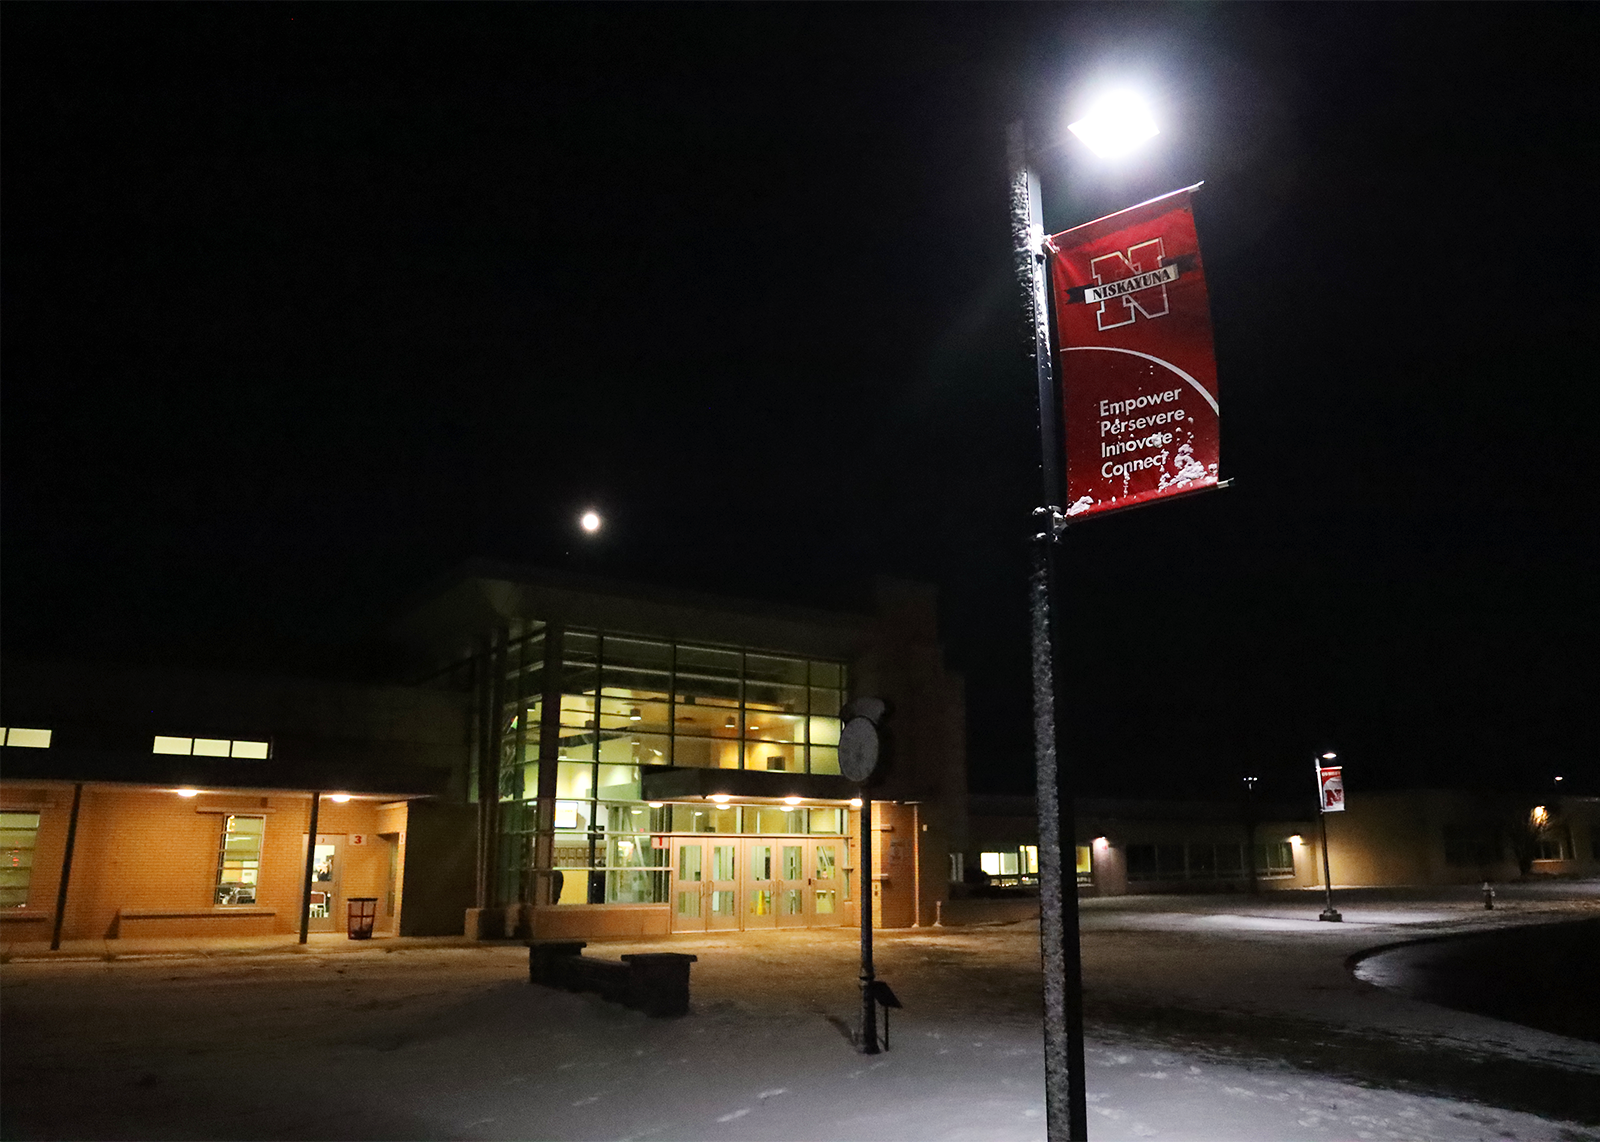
305, 305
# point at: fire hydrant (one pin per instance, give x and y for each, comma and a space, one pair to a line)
1488, 896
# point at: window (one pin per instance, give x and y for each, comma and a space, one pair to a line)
1011, 867
211, 747
1553, 844
25, 739
17, 834
1202, 861
628, 703
1275, 859
239, 859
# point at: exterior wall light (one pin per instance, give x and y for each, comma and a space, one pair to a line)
188, 792
1102, 843
791, 800
721, 798
654, 804
855, 802
339, 798
1297, 840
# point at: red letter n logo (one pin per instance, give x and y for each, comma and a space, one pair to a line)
1116, 280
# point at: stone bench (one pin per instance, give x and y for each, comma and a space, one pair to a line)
656, 983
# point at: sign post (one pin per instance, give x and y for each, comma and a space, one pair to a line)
858, 761
1330, 799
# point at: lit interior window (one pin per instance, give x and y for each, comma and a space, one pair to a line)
211, 747
26, 739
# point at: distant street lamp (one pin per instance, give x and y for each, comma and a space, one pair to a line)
1110, 128
1250, 831
590, 521
1330, 912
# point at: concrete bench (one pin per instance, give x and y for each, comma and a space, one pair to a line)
656, 983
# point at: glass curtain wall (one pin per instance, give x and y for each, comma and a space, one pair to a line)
629, 702
520, 716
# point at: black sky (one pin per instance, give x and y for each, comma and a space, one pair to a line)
304, 305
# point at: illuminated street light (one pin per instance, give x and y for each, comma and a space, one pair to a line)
590, 521
1116, 124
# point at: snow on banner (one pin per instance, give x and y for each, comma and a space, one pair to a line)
1138, 378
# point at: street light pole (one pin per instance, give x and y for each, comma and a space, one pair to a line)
1066, 1104
1330, 912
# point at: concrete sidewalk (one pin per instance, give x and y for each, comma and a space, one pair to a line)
216, 947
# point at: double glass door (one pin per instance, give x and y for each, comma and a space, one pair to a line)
751, 883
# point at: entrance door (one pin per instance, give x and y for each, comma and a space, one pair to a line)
760, 886
826, 884
326, 900
790, 888
689, 904
722, 888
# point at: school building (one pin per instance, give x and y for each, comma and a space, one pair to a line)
566, 757
1413, 837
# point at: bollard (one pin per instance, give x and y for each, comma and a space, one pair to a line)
1488, 896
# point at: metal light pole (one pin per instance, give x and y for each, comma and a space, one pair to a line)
1113, 127
1250, 831
1066, 1104
1330, 912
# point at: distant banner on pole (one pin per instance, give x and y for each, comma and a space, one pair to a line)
1330, 779
1138, 375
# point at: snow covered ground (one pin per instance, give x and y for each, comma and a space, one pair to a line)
1209, 1018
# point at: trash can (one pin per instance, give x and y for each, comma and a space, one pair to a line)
363, 914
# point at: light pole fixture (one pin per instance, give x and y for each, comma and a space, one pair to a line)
1066, 1103
1116, 124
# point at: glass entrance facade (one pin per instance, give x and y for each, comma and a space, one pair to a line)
583, 713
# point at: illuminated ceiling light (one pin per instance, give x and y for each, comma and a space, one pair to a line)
721, 798
188, 792
341, 798
654, 804
634, 715
855, 802
1117, 123
590, 521
791, 800
732, 723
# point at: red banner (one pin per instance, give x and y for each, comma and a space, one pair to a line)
1330, 780
1138, 378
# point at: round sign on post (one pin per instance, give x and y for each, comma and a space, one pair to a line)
858, 749
858, 740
